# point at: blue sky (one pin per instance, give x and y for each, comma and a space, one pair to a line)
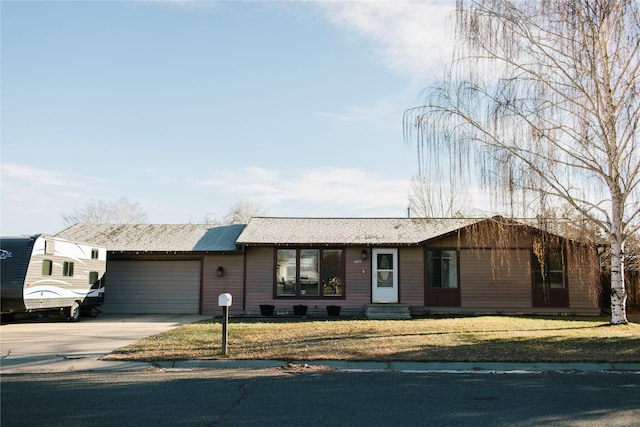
189, 107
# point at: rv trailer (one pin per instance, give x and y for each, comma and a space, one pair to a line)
44, 273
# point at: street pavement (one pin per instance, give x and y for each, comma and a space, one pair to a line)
308, 396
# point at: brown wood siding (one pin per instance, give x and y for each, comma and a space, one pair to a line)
468, 240
633, 289
230, 282
447, 242
259, 278
583, 279
484, 286
357, 279
411, 263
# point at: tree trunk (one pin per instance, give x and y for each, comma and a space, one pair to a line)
618, 290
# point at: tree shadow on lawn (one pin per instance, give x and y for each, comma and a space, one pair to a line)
547, 349
588, 323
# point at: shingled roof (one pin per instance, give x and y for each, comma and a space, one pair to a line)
267, 231
348, 231
157, 237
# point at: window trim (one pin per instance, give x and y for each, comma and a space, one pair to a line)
547, 296
536, 268
67, 268
49, 271
428, 271
298, 295
94, 275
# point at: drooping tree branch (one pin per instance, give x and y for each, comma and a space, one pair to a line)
543, 97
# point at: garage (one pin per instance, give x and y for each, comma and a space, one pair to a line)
152, 287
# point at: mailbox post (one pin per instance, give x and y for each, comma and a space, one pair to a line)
224, 301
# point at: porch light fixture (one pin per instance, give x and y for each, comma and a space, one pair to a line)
220, 272
363, 255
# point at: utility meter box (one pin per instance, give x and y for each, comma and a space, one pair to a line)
224, 300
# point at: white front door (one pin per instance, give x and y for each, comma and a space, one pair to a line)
385, 276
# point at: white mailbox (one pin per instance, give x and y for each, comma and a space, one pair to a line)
224, 300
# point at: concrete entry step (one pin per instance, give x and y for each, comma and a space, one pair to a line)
387, 311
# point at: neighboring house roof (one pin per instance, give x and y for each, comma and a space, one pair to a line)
157, 237
349, 231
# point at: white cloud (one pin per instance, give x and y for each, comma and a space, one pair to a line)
323, 191
32, 198
31, 176
377, 113
412, 36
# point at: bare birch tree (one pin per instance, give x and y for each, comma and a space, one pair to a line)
542, 98
429, 199
120, 211
242, 211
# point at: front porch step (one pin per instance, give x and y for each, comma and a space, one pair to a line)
387, 311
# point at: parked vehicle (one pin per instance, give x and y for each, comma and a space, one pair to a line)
45, 273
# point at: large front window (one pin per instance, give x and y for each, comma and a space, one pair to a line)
309, 273
442, 269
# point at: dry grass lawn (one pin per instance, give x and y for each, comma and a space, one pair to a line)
485, 338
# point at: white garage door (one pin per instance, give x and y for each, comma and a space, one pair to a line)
152, 287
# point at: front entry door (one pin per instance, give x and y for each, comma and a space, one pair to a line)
385, 276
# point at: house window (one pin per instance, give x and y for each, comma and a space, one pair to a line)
442, 269
309, 273
286, 270
93, 277
47, 267
94, 254
67, 269
332, 273
549, 274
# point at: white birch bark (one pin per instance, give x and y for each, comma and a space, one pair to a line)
618, 288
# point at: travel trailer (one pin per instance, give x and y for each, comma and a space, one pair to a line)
45, 273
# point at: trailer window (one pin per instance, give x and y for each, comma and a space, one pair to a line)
93, 277
48, 247
94, 254
46, 267
67, 268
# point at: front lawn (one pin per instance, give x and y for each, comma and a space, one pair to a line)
484, 338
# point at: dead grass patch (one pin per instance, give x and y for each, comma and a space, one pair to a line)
473, 339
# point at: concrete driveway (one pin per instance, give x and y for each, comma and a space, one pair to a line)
54, 344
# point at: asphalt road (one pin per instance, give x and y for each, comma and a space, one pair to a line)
277, 397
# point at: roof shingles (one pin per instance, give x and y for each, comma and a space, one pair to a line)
266, 231
349, 231
157, 237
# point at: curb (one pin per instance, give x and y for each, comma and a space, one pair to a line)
451, 367
92, 364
